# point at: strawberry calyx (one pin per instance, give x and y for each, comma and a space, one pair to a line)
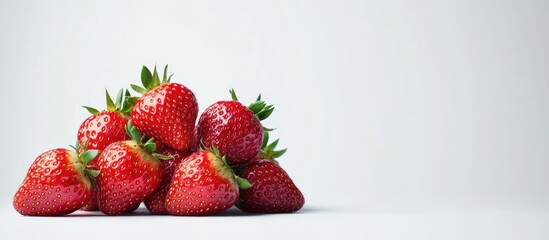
260, 109
84, 158
242, 183
151, 80
148, 144
268, 149
122, 105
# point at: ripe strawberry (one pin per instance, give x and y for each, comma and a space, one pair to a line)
103, 128
57, 183
166, 111
203, 184
273, 191
130, 172
234, 128
155, 202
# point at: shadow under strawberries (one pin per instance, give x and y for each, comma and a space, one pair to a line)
232, 212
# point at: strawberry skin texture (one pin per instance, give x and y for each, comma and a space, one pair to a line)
233, 129
194, 145
54, 185
102, 129
92, 204
272, 189
168, 113
128, 175
155, 202
201, 185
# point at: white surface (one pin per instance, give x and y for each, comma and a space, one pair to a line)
310, 223
428, 115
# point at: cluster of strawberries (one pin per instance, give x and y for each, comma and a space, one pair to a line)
149, 149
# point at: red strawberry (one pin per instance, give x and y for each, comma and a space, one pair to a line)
203, 184
234, 128
103, 128
155, 202
130, 172
166, 111
57, 183
273, 191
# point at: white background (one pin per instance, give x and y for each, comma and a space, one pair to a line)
403, 120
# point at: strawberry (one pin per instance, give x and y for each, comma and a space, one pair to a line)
234, 128
103, 128
203, 184
273, 191
130, 172
57, 183
155, 202
166, 111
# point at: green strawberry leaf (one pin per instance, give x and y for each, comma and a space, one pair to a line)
268, 150
279, 153
265, 129
132, 132
92, 173
88, 156
155, 78
119, 98
126, 106
214, 150
165, 75
271, 146
242, 182
91, 110
110, 104
233, 94
146, 78
265, 113
138, 89
265, 139
131, 101
150, 147
256, 107
161, 156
